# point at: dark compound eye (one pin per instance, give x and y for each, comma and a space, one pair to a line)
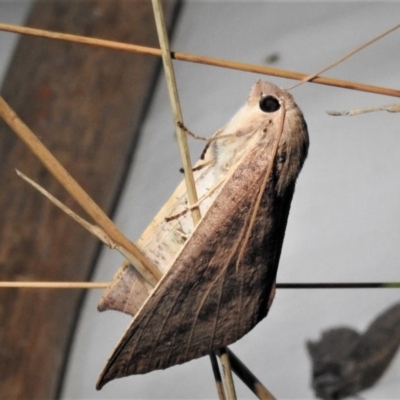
269, 104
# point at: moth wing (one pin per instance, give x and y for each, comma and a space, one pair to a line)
207, 300
160, 242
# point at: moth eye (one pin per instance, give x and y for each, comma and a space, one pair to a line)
269, 104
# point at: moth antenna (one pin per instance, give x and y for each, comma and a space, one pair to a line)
229, 135
207, 139
345, 57
203, 153
262, 189
199, 167
214, 138
176, 216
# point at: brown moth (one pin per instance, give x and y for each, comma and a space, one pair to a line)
346, 362
220, 277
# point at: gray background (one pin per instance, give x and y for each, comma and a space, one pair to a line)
344, 219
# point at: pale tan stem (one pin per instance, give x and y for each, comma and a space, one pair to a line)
227, 371
176, 109
199, 59
140, 262
217, 377
67, 37
93, 229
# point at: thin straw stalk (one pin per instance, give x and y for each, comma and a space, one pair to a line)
135, 256
176, 109
199, 59
187, 167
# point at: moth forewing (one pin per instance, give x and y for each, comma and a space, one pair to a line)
210, 297
160, 242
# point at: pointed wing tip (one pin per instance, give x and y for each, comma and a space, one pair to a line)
100, 383
105, 377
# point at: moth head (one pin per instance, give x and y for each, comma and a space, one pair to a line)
267, 97
275, 111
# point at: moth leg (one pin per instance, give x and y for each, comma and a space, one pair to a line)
210, 139
217, 136
193, 135
182, 234
199, 167
190, 133
197, 204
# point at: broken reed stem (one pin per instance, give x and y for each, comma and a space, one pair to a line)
143, 265
199, 59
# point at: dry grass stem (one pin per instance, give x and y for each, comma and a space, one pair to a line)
199, 59
227, 371
176, 109
144, 267
93, 229
217, 377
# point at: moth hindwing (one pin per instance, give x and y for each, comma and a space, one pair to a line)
220, 283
